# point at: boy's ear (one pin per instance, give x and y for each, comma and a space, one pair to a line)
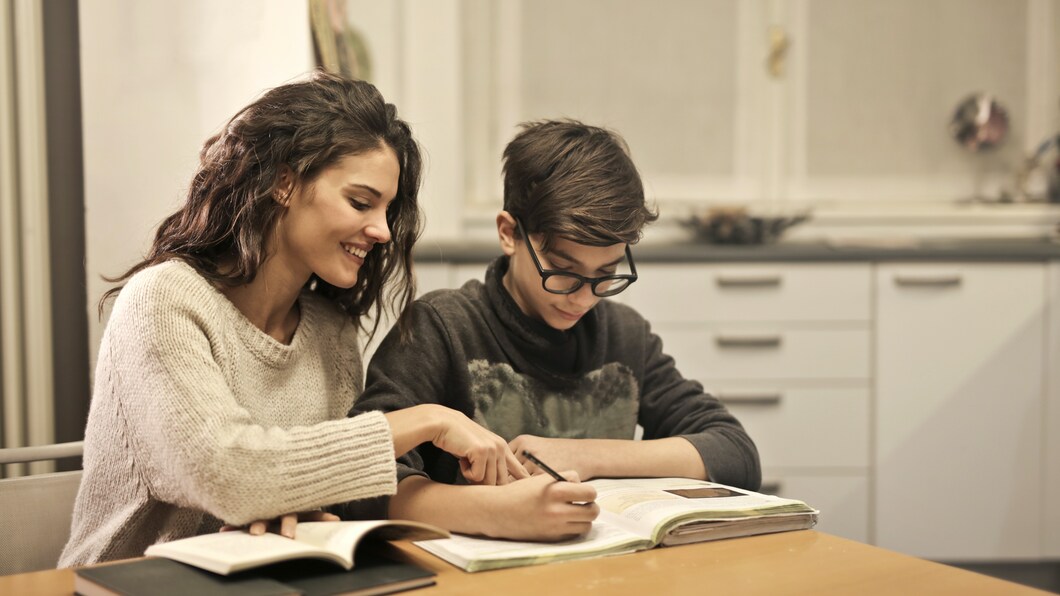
506, 232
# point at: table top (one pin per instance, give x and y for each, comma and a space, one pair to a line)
805, 561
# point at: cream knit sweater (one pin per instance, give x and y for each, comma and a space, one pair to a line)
198, 416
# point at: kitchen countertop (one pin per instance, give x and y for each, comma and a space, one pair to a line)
941, 249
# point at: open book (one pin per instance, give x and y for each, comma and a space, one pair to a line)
230, 552
638, 514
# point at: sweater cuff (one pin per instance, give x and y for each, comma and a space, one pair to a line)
355, 461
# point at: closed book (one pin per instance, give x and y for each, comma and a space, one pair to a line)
372, 576
163, 577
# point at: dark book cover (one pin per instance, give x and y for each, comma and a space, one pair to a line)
163, 577
372, 575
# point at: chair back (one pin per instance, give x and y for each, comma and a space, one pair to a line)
35, 511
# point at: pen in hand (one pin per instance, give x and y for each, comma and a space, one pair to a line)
543, 466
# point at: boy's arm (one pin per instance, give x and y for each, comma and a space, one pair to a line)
614, 458
537, 508
675, 407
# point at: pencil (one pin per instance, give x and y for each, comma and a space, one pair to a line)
543, 466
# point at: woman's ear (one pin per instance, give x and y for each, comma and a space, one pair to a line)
284, 185
506, 232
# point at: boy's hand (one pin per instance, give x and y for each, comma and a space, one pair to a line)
541, 509
559, 454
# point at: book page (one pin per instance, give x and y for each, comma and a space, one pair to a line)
653, 506
341, 538
477, 554
228, 552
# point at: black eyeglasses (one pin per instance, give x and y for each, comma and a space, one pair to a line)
565, 282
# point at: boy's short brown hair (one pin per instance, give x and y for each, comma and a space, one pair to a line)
568, 179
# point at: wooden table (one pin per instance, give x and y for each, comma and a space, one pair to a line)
804, 562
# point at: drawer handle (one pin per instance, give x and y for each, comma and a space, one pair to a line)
748, 341
905, 279
770, 488
754, 398
748, 281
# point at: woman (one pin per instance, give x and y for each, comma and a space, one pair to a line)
231, 356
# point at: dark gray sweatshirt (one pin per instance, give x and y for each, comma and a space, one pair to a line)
474, 350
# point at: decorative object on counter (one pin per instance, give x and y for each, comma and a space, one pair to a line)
738, 225
1038, 176
979, 123
1046, 159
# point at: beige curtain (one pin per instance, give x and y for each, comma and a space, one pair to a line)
25, 292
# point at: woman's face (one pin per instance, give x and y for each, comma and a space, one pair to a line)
332, 224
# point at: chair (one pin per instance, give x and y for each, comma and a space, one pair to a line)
35, 511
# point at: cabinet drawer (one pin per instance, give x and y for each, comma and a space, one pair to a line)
712, 353
842, 500
778, 292
804, 427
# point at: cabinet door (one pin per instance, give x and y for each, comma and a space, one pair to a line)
1051, 468
843, 500
959, 410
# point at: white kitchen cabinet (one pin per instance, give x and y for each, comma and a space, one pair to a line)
959, 409
843, 499
915, 404
786, 346
756, 293
1051, 464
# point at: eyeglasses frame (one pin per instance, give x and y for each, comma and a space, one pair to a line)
582, 280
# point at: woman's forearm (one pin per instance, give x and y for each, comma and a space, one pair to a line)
414, 426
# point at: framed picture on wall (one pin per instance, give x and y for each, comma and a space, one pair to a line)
338, 47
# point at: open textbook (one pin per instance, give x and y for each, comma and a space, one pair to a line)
638, 514
230, 552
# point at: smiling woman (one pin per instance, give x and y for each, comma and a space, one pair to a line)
231, 356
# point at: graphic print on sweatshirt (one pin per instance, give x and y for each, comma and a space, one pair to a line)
601, 405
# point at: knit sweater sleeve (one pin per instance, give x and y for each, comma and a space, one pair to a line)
194, 445
674, 406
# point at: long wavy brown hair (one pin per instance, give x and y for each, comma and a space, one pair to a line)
222, 228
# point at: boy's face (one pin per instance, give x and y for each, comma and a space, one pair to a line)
523, 281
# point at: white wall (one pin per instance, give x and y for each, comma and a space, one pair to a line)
157, 79
415, 49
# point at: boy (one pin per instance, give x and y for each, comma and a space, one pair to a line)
534, 355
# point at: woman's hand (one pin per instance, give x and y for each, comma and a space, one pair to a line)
541, 509
283, 525
484, 456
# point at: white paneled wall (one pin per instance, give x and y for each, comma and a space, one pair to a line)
158, 78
